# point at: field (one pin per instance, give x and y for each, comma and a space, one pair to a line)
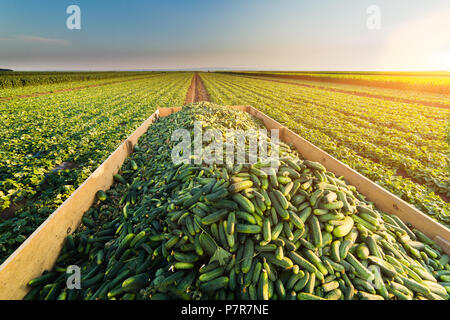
25, 79
51, 143
369, 90
58, 128
436, 82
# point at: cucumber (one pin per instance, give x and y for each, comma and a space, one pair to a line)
267, 230
362, 271
315, 260
335, 294
345, 228
171, 242
247, 257
101, 195
293, 279
276, 231
239, 186
279, 287
362, 251
305, 264
41, 280
207, 243
214, 217
135, 283
244, 203
258, 172
285, 263
316, 233
301, 283
414, 285
333, 205
298, 199
247, 228
226, 204
118, 178
263, 286
334, 250
185, 257
305, 213
314, 196
266, 248
283, 213
216, 284
211, 275
295, 219
217, 195
283, 180
385, 267
308, 296
368, 296
279, 254
270, 271
288, 231
281, 199
314, 165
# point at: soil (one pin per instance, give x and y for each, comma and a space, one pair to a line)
272, 77
10, 212
197, 91
402, 173
65, 166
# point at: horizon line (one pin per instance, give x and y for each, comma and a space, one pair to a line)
213, 69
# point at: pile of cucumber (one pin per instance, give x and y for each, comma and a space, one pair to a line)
186, 231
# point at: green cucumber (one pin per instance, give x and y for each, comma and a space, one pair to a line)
244, 203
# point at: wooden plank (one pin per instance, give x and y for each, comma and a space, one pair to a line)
40, 251
164, 112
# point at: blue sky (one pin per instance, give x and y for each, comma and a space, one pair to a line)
249, 34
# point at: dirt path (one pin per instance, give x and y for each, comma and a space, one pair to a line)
272, 77
196, 91
68, 89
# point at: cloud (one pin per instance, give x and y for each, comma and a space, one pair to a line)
37, 39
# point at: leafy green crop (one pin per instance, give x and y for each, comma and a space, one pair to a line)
23, 79
51, 144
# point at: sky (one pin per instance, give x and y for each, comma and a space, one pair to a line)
229, 34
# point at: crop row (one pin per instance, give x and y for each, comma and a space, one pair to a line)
22, 79
357, 131
21, 92
438, 82
388, 93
